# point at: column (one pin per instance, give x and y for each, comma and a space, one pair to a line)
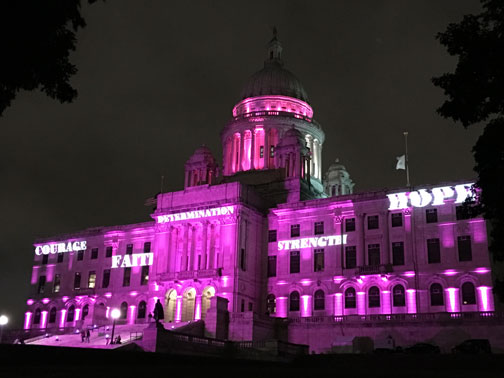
306, 306
485, 298
315, 158
204, 230
185, 241
266, 148
411, 301
132, 314
361, 303
338, 304
178, 309
241, 152
386, 237
320, 161
281, 307
452, 299
252, 149
385, 302
43, 319
197, 308
62, 318
27, 321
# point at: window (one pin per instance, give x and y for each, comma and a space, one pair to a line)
52, 315
374, 297
431, 215
294, 301
350, 224
261, 152
57, 283
398, 253
45, 259
106, 278
129, 249
243, 259
41, 284
144, 277
142, 309
319, 228
70, 314
271, 304
350, 257
92, 279
80, 255
61, 257
319, 303
272, 151
373, 222
272, 236
295, 230
85, 312
318, 260
436, 295
350, 300
433, 251
77, 281
460, 214
468, 294
127, 276
94, 253
464, 248
242, 305
250, 306
36, 318
398, 297
147, 247
108, 252
374, 254
124, 311
396, 220
272, 260
294, 262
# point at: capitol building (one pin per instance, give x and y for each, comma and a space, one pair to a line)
269, 244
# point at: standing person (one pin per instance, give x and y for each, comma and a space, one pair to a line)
83, 335
158, 311
88, 335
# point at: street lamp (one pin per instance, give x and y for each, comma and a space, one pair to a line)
3, 321
115, 314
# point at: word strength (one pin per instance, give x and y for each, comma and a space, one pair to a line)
312, 242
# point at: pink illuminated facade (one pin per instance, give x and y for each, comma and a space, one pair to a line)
282, 244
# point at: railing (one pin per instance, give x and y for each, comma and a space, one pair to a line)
190, 274
374, 269
135, 336
272, 113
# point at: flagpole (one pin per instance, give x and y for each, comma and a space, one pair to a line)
407, 165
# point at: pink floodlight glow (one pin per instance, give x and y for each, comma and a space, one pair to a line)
409, 273
28, 316
482, 270
29, 302
281, 307
43, 321
479, 231
306, 282
108, 295
133, 293
411, 301
306, 306
77, 314
338, 279
34, 276
450, 272
338, 304
485, 298
361, 303
197, 310
107, 313
384, 278
453, 304
64, 299
178, 309
132, 315
63, 318
156, 287
282, 283
225, 281
46, 300
385, 302
359, 280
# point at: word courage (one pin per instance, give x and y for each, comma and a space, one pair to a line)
61, 247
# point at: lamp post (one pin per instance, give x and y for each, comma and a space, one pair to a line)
3, 321
115, 314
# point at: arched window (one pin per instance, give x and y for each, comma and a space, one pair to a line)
468, 294
399, 298
142, 307
124, 311
350, 299
205, 300
170, 306
436, 295
36, 318
85, 311
374, 297
71, 313
188, 305
52, 315
271, 304
294, 301
319, 303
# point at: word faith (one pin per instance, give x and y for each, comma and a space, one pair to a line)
322, 241
61, 247
434, 197
127, 261
216, 211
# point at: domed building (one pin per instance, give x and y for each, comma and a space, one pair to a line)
263, 247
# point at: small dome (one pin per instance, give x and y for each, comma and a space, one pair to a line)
336, 166
202, 154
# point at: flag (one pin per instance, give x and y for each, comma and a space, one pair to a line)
401, 162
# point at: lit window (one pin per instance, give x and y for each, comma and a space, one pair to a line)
57, 283
144, 278
271, 304
92, 279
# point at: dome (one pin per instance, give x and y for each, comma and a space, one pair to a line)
202, 154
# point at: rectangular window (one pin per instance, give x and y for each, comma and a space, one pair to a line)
94, 253
57, 283
431, 215
373, 222
295, 230
108, 252
261, 152
80, 255
129, 249
374, 254
319, 228
251, 306
350, 224
272, 151
144, 278
242, 308
45, 259
464, 248
61, 257
92, 279
433, 251
350, 257
398, 253
272, 260
147, 247
294, 262
318, 260
106, 278
243, 259
41, 284
127, 276
77, 281
460, 214
272, 236
396, 220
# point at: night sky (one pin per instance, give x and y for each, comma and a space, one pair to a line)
157, 79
